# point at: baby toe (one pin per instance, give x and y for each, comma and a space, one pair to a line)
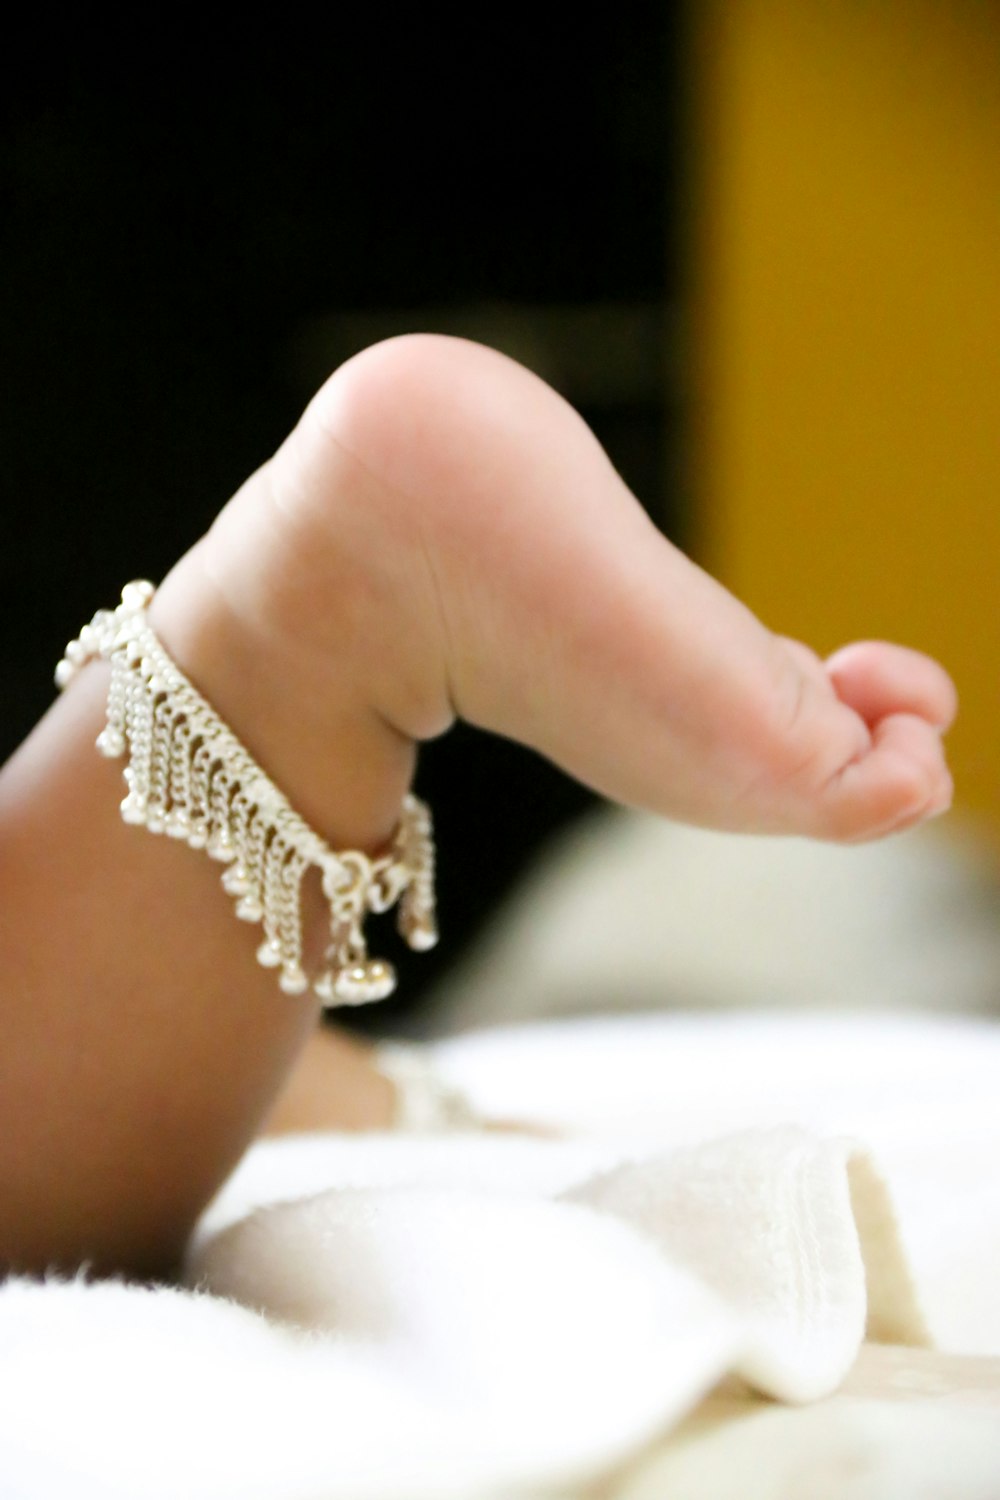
902, 780
876, 679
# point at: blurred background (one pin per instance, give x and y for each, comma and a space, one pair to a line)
755, 242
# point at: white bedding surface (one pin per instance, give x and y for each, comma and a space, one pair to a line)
383, 1318
921, 1094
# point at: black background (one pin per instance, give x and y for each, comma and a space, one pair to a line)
179, 219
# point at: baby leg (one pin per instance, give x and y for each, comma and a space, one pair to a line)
440, 536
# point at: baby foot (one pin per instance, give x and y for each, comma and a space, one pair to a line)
443, 536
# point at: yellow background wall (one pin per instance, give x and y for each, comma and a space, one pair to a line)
846, 263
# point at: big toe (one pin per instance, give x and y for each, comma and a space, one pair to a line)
876, 679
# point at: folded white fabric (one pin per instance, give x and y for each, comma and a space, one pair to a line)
921, 1093
384, 1318
423, 1336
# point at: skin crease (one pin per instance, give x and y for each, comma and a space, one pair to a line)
440, 536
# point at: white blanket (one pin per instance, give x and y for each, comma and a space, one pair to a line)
390, 1318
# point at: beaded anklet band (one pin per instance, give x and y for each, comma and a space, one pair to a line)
188, 776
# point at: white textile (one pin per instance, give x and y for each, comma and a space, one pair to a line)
389, 1318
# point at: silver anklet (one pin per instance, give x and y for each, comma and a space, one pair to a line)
188, 776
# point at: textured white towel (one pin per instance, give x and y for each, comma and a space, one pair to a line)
385, 1318
922, 1094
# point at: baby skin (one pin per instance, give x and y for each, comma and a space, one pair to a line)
443, 537
440, 537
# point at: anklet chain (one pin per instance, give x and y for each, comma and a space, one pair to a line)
188, 776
